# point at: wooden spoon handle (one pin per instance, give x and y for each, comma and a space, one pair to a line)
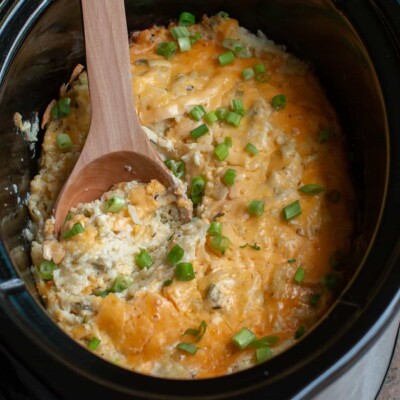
114, 125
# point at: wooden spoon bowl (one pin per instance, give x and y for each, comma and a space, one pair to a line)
116, 149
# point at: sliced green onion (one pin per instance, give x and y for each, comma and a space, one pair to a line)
94, 343
314, 299
215, 228
228, 141
263, 354
221, 151
226, 58
178, 168
184, 271
264, 342
62, 108
221, 113
114, 204
263, 77
292, 210
223, 14
324, 136
197, 189
168, 282
247, 74
103, 293
199, 332
336, 260
167, 49
254, 246
143, 259
211, 117
331, 281
299, 275
188, 348
242, 52
233, 118
237, 106
220, 243
230, 177
197, 112
179, 32
292, 260
184, 44
199, 131
256, 207
279, 102
120, 284
311, 188
300, 332
69, 217
175, 254
258, 68
64, 142
250, 148
46, 269
186, 19
243, 338
75, 230
334, 196
194, 38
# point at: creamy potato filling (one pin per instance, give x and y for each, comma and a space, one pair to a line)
247, 130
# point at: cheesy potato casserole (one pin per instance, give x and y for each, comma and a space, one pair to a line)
250, 136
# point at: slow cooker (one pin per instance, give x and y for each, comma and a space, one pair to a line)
354, 47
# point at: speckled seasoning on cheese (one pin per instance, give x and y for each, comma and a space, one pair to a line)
264, 269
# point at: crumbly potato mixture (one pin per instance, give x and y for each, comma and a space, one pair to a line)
263, 255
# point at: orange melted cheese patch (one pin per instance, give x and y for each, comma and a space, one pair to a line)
252, 284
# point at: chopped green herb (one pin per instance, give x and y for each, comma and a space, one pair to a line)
243, 338
237, 106
220, 243
186, 19
184, 44
292, 210
188, 348
226, 58
168, 282
103, 293
221, 113
228, 141
62, 108
263, 77
251, 149
199, 131
197, 189
199, 332
311, 188
167, 49
94, 343
263, 354
211, 117
69, 217
64, 142
178, 168
314, 299
75, 230
143, 259
279, 102
215, 228
254, 246
194, 38
175, 254
300, 332
247, 74
332, 281
292, 260
256, 207
184, 271
179, 32
223, 14
334, 196
114, 204
258, 68
221, 151
46, 269
197, 112
324, 136
233, 118
299, 275
230, 177
264, 342
121, 283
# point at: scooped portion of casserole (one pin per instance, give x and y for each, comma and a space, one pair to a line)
249, 134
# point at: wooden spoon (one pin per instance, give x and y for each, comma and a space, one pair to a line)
116, 149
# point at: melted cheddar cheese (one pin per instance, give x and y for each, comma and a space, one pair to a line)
252, 284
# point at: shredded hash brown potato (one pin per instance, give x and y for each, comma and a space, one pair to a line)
110, 280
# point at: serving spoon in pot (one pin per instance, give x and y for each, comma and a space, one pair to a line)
116, 149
